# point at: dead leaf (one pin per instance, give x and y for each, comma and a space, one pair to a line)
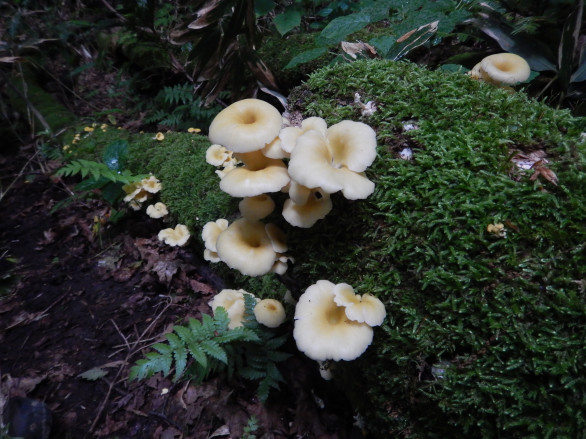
543, 171
359, 48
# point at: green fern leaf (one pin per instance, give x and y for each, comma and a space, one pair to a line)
179, 353
214, 350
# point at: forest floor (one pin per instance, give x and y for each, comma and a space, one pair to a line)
82, 300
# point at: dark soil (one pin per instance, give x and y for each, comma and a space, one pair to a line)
78, 294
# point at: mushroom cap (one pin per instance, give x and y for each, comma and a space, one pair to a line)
233, 302
364, 309
246, 125
246, 247
306, 215
270, 312
216, 155
505, 68
352, 144
289, 135
312, 165
257, 207
174, 237
323, 331
274, 150
157, 210
259, 175
151, 184
210, 232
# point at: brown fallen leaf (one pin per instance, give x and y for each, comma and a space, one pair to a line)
543, 171
359, 48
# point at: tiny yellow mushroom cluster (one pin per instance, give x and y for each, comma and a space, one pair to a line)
140, 191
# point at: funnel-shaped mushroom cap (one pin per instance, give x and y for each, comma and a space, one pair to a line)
316, 207
505, 68
246, 247
334, 166
322, 329
246, 125
259, 175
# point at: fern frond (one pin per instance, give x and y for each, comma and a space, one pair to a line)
97, 171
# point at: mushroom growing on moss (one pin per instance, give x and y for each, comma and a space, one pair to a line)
335, 162
245, 126
216, 155
306, 206
502, 69
322, 329
269, 312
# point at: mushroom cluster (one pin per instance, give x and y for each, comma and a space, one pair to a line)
332, 322
502, 69
138, 192
268, 312
259, 154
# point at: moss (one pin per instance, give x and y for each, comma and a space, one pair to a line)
53, 112
502, 317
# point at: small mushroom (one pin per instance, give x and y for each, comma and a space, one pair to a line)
211, 231
216, 155
289, 135
246, 247
245, 126
157, 210
151, 184
233, 302
322, 329
316, 207
364, 309
269, 312
174, 237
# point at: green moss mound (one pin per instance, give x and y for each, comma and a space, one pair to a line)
485, 334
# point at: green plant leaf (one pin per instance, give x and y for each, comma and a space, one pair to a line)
115, 155
308, 55
535, 52
580, 74
287, 21
339, 28
568, 44
93, 374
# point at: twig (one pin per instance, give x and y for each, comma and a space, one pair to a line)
3, 192
131, 351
